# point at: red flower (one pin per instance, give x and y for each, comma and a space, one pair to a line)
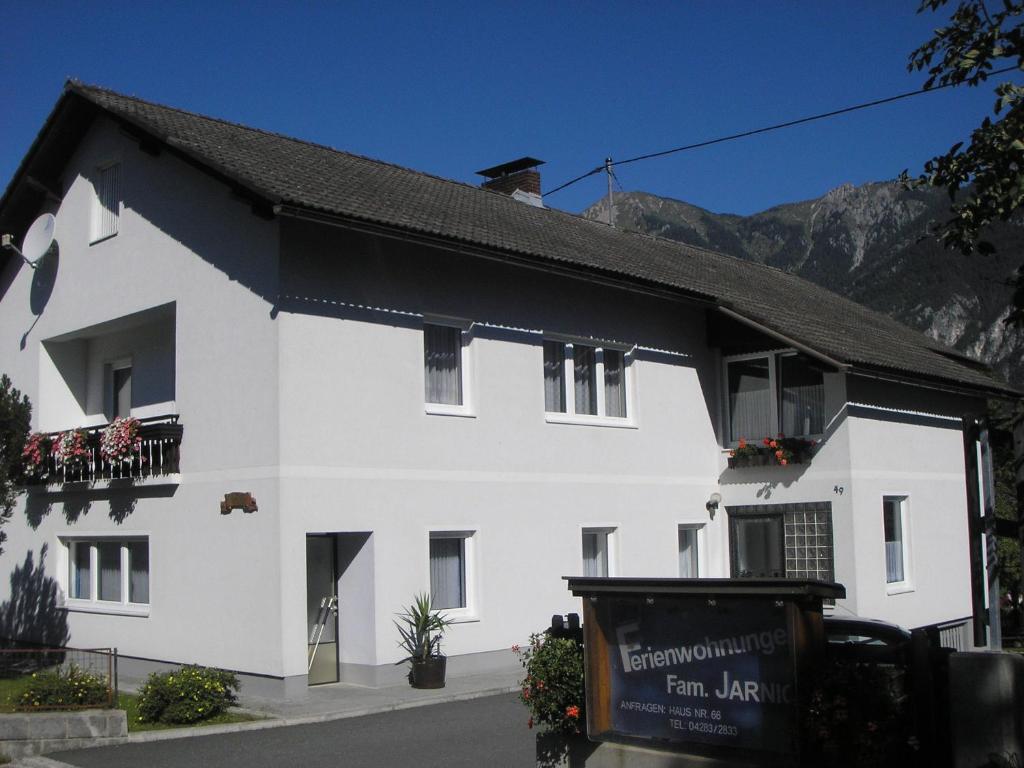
778, 454
773, 444
783, 462
743, 443
732, 454
767, 441
572, 711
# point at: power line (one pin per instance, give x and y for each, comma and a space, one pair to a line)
766, 129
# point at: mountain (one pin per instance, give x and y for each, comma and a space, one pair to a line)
869, 243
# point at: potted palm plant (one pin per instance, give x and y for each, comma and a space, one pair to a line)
421, 630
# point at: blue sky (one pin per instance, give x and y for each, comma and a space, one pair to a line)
449, 88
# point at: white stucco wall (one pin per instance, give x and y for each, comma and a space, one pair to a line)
185, 244
359, 452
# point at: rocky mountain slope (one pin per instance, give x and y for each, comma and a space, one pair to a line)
867, 243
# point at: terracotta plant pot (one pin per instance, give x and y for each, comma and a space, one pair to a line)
428, 672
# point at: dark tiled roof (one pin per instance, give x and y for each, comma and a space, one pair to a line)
286, 171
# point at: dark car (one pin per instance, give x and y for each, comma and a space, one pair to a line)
851, 638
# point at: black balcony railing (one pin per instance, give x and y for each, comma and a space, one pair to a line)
158, 454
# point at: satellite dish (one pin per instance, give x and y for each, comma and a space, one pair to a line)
38, 239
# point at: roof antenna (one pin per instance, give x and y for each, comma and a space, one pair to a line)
611, 200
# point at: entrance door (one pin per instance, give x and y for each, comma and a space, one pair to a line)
321, 608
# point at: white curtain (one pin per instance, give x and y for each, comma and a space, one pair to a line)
595, 553
614, 383
803, 397
750, 400
81, 570
585, 375
442, 358
138, 571
688, 553
554, 377
110, 570
447, 573
892, 510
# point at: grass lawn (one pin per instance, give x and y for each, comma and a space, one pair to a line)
11, 689
129, 702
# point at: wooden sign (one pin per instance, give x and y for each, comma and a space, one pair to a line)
238, 500
707, 667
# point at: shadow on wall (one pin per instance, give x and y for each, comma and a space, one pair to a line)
32, 613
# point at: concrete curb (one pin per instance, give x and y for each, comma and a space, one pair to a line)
273, 721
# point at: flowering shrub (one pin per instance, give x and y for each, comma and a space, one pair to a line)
782, 450
70, 449
187, 695
33, 455
56, 689
553, 687
120, 441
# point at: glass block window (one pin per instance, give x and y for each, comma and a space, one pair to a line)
798, 535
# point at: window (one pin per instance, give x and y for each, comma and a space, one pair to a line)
689, 565
108, 573
451, 583
120, 389
106, 203
581, 380
771, 394
445, 363
782, 540
597, 545
894, 523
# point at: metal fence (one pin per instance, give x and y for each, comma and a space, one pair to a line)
27, 671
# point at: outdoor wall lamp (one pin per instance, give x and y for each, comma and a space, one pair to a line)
712, 505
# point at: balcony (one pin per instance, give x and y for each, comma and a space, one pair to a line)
157, 456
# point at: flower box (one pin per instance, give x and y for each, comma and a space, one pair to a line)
771, 451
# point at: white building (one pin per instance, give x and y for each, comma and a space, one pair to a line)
428, 385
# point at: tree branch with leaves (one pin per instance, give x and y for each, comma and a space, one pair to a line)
985, 177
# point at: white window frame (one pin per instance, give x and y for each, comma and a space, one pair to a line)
700, 529
469, 553
611, 545
773, 385
93, 604
569, 384
907, 584
96, 233
466, 333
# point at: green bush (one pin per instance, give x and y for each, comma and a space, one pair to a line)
186, 695
553, 687
64, 689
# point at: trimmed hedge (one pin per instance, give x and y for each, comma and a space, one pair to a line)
187, 695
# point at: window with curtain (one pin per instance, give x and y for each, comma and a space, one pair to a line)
448, 572
801, 397
892, 519
688, 556
594, 383
106, 202
774, 394
595, 552
442, 364
109, 572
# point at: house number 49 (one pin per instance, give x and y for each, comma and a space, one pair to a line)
839, 490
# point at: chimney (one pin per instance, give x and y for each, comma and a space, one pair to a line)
518, 179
